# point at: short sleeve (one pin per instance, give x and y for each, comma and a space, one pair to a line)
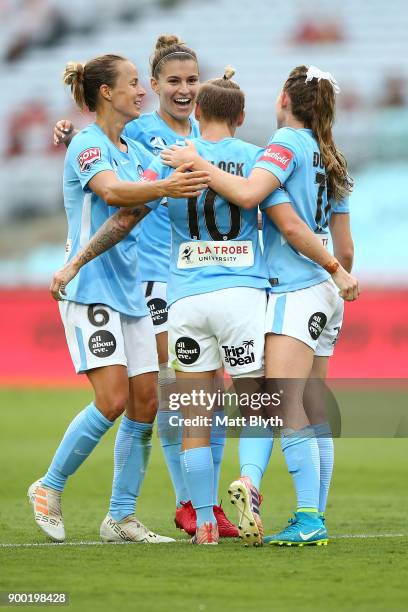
88, 155
279, 196
279, 157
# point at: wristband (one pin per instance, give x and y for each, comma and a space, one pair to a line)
332, 266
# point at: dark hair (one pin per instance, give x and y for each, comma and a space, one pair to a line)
221, 99
86, 79
314, 104
169, 47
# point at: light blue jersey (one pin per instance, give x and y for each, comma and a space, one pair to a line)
293, 156
155, 236
215, 244
113, 278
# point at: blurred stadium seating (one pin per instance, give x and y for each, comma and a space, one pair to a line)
364, 44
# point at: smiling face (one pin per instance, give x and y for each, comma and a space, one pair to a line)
177, 87
127, 94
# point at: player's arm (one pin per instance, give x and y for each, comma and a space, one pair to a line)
179, 184
343, 245
301, 237
110, 233
244, 192
64, 132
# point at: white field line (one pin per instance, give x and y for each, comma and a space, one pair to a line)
359, 536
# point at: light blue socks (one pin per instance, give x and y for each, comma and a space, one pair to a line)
217, 442
326, 450
132, 451
170, 440
198, 470
81, 437
301, 453
255, 448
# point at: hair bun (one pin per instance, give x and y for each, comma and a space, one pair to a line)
229, 72
73, 73
167, 40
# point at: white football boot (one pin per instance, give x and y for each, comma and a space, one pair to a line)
129, 529
246, 499
46, 503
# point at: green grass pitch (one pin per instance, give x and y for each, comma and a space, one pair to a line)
369, 497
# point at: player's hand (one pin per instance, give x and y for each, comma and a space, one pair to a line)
63, 132
347, 284
175, 155
61, 279
185, 184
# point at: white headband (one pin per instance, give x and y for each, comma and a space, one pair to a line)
315, 73
173, 53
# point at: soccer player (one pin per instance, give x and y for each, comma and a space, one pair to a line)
216, 286
175, 80
218, 300
303, 303
107, 324
314, 396
201, 264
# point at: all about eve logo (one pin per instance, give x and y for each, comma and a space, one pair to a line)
187, 350
102, 343
317, 324
158, 310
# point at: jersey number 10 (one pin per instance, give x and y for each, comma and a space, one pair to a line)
210, 218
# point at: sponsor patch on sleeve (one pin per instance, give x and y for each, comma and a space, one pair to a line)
278, 155
149, 175
88, 157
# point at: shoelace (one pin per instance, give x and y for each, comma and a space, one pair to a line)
291, 529
292, 526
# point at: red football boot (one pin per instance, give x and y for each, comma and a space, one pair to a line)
186, 518
226, 529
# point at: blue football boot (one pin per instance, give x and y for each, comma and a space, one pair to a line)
305, 529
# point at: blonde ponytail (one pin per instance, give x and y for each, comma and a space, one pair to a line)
86, 79
229, 72
74, 77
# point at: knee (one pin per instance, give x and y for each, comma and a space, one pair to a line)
144, 406
149, 405
113, 405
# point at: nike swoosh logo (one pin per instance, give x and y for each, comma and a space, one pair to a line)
307, 536
78, 452
124, 163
